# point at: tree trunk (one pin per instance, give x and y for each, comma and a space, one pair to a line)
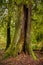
21, 40
18, 41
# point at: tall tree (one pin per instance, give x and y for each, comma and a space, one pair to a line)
28, 32
21, 40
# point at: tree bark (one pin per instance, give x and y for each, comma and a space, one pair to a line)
18, 41
21, 41
25, 25
28, 33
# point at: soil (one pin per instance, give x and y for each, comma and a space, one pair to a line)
22, 59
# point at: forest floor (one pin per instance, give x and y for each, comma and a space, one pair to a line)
22, 59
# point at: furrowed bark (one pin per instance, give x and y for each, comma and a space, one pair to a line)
28, 33
25, 26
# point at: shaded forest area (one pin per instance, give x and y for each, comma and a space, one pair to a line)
21, 32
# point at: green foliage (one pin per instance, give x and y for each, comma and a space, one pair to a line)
26, 2
37, 23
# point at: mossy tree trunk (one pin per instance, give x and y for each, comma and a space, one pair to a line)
21, 40
18, 41
28, 33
